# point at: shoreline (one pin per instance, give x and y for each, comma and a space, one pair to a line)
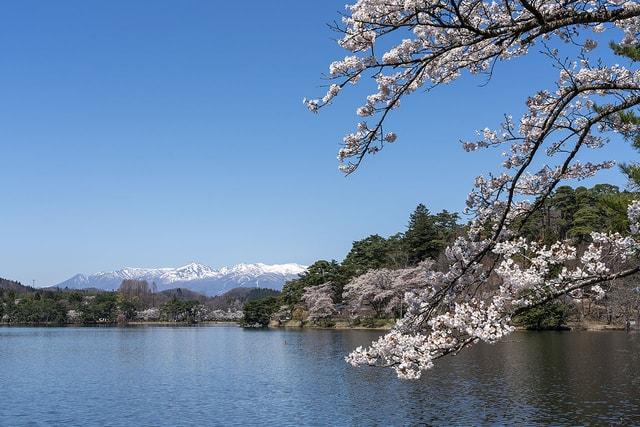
121, 325
339, 326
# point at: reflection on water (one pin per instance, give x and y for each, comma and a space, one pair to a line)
227, 375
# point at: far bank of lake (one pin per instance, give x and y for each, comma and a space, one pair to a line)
340, 325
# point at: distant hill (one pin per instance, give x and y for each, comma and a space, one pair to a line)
236, 298
233, 299
183, 294
195, 277
17, 287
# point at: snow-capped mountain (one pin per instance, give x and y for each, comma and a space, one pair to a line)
194, 276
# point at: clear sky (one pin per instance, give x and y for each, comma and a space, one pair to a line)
138, 133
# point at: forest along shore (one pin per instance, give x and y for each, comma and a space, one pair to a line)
368, 287
364, 290
134, 302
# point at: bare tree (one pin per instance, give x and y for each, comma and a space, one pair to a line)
135, 290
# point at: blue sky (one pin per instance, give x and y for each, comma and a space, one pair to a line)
136, 133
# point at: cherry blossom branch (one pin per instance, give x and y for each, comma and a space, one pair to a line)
492, 274
449, 37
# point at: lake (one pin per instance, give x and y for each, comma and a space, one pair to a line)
225, 375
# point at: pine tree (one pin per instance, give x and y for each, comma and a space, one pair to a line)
632, 169
446, 224
366, 254
421, 237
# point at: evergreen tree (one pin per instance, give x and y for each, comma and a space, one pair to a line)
446, 224
421, 238
320, 272
366, 254
585, 221
397, 256
630, 169
562, 208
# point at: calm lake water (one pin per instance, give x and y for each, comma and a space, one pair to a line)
224, 375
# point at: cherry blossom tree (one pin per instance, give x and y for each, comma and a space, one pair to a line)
492, 272
372, 292
382, 291
319, 301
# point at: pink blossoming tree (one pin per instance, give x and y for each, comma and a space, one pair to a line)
318, 300
492, 272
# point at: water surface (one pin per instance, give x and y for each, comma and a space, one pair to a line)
225, 375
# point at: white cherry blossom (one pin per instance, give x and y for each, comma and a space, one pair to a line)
492, 274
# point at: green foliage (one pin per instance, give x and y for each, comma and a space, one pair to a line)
632, 169
396, 252
102, 308
629, 51
318, 273
368, 253
567, 213
127, 309
585, 221
259, 312
421, 238
236, 298
37, 310
178, 310
369, 322
426, 236
14, 286
552, 315
446, 224
575, 213
22, 304
260, 293
74, 297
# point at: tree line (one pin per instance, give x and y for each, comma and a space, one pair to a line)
425, 237
135, 300
367, 287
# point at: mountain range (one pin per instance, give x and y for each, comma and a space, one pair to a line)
196, 277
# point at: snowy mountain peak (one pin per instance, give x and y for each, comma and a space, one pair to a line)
194, 276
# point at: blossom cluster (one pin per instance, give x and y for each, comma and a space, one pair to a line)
491, 273
442, 317
319, 301
433, 42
